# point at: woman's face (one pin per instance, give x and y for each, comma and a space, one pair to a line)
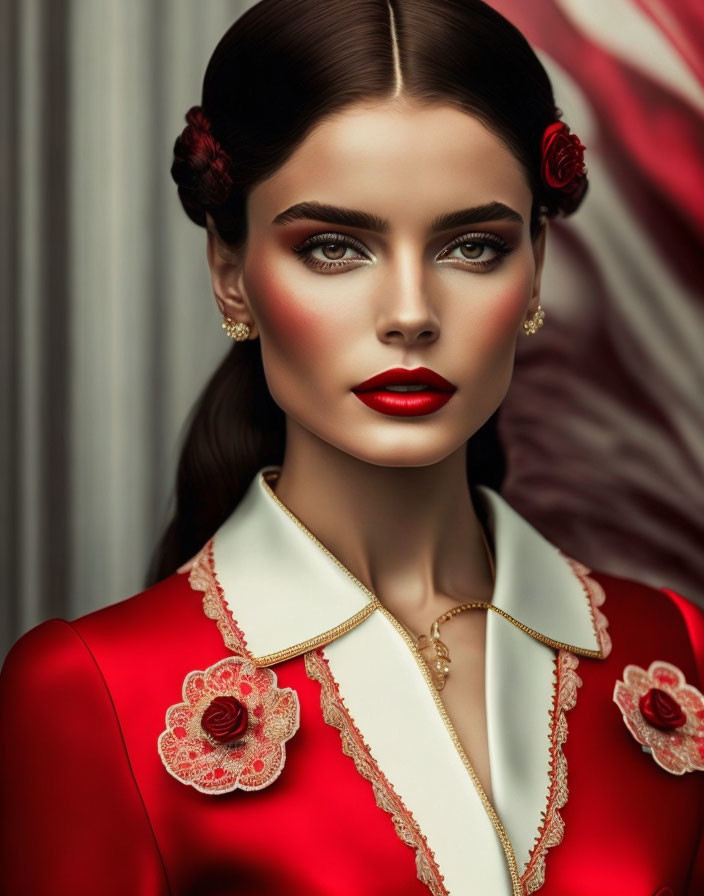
396, 236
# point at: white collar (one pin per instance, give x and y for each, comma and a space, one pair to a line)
276, 593
289, 594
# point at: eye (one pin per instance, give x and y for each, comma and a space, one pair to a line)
332, 251
472, 251
327, 251
476, 250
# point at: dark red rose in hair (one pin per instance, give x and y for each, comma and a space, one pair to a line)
563, 158
661, 710
225, 719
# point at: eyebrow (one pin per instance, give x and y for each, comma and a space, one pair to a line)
348, 217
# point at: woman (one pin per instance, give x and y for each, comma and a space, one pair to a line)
356, 670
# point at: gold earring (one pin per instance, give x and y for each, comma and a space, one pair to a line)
238, 331
534, 323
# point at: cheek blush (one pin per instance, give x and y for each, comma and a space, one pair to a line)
506, 311
286, 317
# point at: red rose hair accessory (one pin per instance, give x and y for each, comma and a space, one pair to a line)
664, 714
562, 155
205, 157
231, 730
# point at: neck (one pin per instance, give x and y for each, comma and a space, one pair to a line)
410, 534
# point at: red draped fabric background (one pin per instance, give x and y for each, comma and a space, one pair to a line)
603, 426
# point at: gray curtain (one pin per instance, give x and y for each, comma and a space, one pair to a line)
109, 327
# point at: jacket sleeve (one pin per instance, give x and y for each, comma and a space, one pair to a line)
72, 821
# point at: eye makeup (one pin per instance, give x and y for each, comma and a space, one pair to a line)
305, 249
481, 240
478, 240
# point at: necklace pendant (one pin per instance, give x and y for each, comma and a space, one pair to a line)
439, 667
439, 674
439, 681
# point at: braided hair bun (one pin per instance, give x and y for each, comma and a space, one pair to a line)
201, 167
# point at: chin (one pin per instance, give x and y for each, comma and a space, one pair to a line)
399, 450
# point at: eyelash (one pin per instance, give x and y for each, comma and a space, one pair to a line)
501, 247
305, 249
326, 239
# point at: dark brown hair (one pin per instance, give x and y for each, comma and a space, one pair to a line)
281, 68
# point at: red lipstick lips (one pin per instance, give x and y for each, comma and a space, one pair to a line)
423, 392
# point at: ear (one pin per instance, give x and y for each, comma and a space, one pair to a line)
226, 274
539, 243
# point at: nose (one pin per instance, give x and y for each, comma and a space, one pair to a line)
405, 312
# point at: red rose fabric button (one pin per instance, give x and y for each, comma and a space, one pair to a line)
225, 719
664, 714
661, 710
230, 731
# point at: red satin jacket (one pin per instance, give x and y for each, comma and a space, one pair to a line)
89, 806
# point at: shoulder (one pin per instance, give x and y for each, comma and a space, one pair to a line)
160, 628
126, 621
633, 598
69, 709
644, 618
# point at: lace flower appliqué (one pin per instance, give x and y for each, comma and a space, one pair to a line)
231, 729
664, 714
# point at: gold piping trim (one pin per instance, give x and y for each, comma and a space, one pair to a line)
561, 645
319, 640
274, 475
516, 888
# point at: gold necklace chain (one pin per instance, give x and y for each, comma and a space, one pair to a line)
438, 666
